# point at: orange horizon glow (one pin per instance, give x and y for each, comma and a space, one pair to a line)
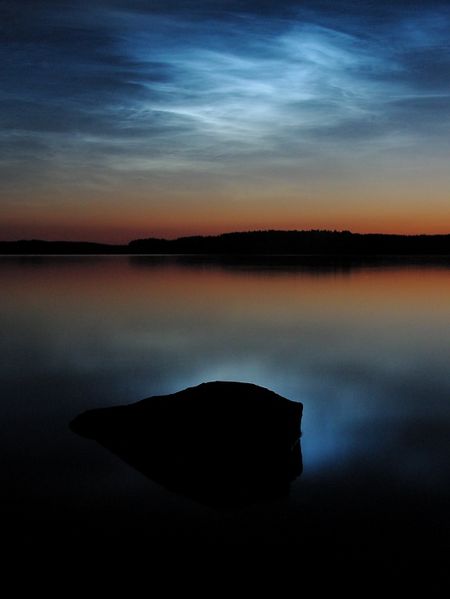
128, 214
122, 233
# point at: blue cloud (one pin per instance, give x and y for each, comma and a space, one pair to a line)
140, 87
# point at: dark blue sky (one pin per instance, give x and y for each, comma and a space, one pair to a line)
127, 118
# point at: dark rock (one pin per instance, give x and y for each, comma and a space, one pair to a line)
221, 443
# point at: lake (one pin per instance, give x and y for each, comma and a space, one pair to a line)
364, 347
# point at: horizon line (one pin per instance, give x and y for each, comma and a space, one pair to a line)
237, 232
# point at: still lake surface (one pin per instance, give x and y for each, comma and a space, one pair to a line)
365, 348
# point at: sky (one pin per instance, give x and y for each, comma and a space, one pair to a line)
128, 119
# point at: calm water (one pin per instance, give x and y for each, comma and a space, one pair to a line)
366, 349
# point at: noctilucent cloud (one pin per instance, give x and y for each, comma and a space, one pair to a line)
123, 119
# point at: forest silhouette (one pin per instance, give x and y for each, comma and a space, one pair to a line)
268, 242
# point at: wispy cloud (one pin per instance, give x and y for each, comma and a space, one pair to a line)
255, 89
119, 89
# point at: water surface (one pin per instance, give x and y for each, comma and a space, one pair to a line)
365, 348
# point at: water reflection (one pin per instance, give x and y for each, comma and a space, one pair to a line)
281, 264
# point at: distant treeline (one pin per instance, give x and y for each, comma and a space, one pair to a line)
270, 242
296, 242
38, 247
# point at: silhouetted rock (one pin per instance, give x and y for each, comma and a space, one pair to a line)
222, 443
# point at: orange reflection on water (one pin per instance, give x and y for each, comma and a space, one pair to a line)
130, 284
